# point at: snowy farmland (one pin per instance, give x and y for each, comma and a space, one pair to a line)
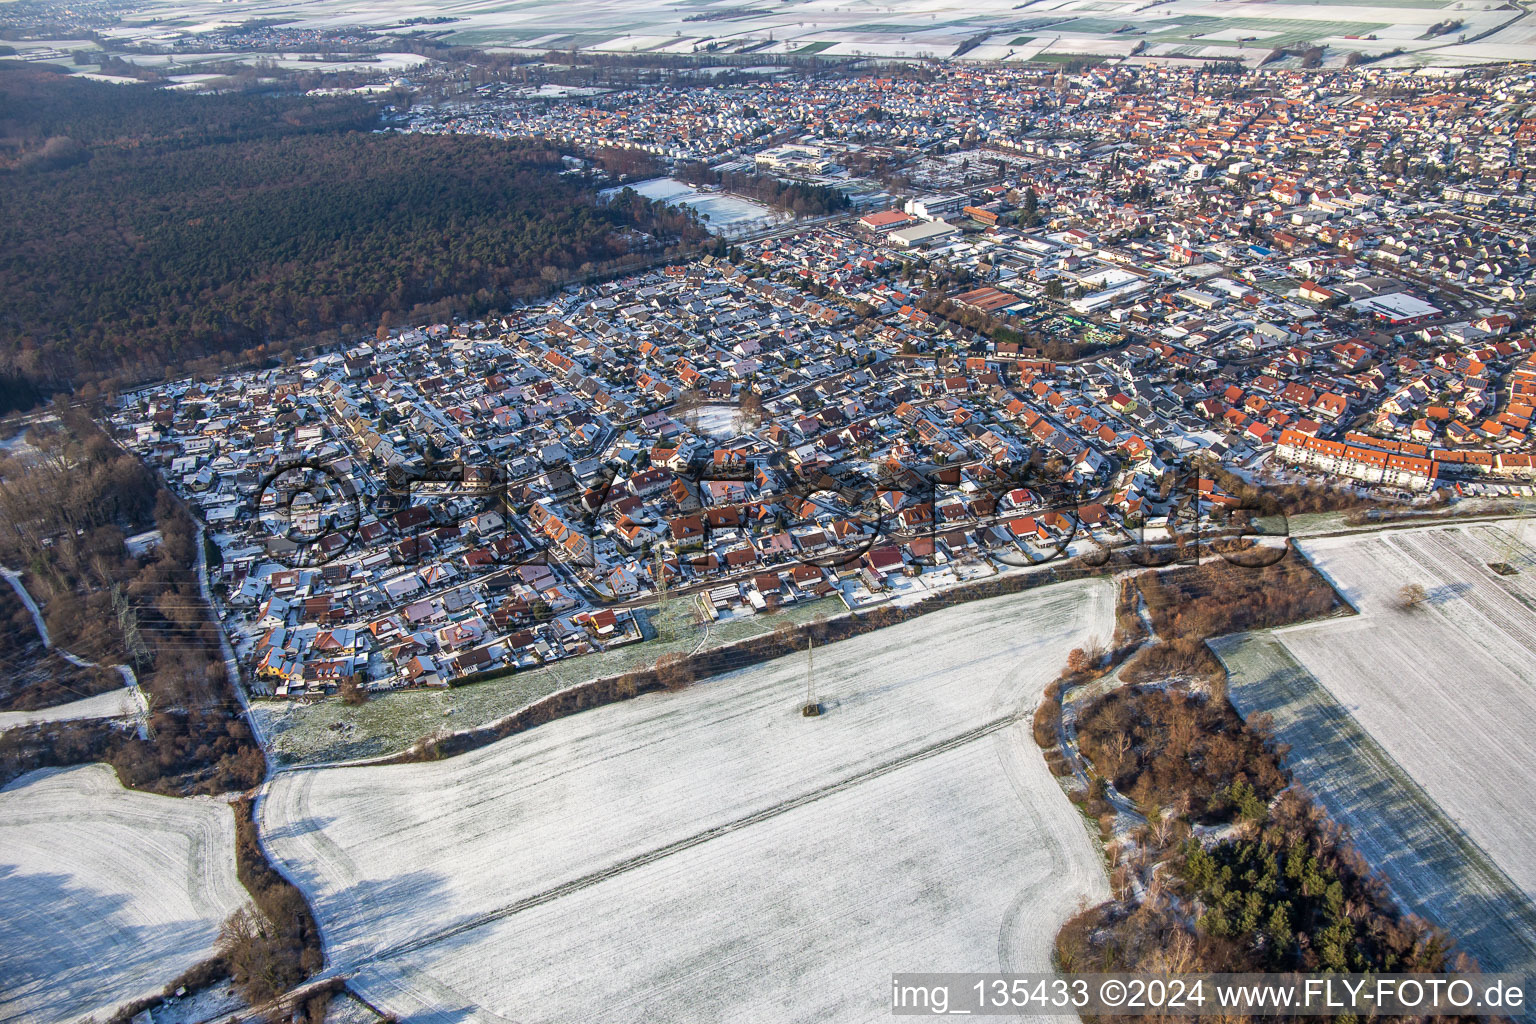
105, 894
892, 28
1417, 728
720, 856
1449, 689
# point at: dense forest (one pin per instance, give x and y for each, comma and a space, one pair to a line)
145, 228
38, 104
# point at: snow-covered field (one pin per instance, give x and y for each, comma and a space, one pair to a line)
105, 894
891, 28
710, 854
1448, 689
1417, 728
721, 422
123, 703
1431, 866
727, 215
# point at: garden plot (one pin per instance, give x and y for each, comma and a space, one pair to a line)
105, 894
334, 731
721, 422
714, 845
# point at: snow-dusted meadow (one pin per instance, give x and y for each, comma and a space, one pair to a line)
710, 854
721, 422
105, 894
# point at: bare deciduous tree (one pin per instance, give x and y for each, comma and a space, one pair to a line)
1095, 649
352, 692
751, 408
787, 634
674, 671
1119, 749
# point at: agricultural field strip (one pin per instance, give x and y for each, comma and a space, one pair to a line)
112, 704
798, 920
371, 880
105, 893
1432, 867
1446, 689
651, 856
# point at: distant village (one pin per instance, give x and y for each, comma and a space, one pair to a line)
997, 358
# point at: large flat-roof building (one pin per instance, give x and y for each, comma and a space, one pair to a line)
1397, 308
886, 220
936, 206
920, 235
